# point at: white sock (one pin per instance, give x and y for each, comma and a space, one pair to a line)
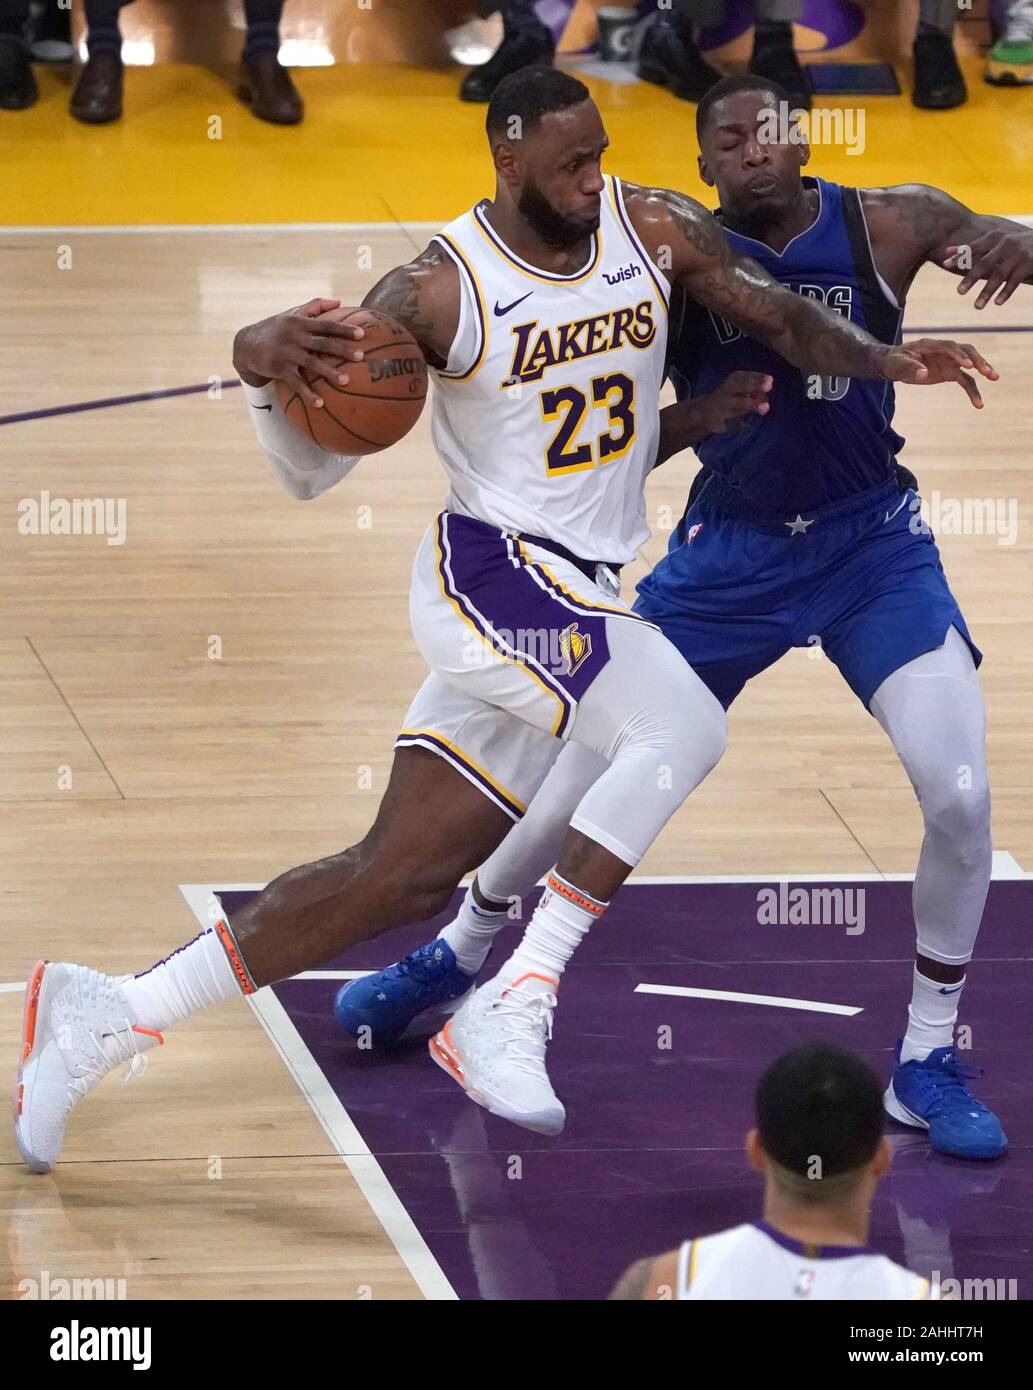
471, 932
931, 1017
193, 977
560, 920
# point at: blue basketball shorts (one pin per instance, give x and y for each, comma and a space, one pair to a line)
862, 577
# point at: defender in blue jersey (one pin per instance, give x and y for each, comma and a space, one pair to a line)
801, 529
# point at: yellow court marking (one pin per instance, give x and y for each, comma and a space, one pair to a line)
394, 143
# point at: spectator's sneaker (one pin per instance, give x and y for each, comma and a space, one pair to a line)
938, 83
668, 57
1010, 62
932, 1095
418, 992
494, 1047
523, 44
18, 88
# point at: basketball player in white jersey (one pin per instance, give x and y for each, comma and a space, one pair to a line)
542, 316
818, 1142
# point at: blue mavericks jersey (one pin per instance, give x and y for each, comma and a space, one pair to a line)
823, 439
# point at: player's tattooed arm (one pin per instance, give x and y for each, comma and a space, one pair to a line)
424, 295
914, 223
687, 243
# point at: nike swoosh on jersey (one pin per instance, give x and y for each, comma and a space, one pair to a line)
262, 407
892, 514
499, 313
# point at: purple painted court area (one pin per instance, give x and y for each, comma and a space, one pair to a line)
652, 1151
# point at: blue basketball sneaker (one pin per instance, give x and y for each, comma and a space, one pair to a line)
390, 1001
932, 1095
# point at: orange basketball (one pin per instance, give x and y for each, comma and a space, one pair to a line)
382, 399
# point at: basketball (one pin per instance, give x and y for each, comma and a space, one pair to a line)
382, 399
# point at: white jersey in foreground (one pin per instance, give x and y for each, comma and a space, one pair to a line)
757, 1262
546, 413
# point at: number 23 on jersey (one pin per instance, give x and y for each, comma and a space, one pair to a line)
575, 445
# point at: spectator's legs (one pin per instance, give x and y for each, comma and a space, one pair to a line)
17, 83
525, 40
265, 85
97, 97
938, 83
668, 54
773, 54
102, 32
50, 34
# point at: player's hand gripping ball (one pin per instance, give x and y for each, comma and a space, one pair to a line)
382, 398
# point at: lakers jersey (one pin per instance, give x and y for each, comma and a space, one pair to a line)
546, 414
758, 1262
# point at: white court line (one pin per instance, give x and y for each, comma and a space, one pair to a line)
730, 995
340, 1128
734, 997
1005, 868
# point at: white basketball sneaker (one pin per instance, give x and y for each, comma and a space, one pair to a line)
78, 1026
494, 1046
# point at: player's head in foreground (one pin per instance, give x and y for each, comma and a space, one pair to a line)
819, 1138
547, 141
750, 149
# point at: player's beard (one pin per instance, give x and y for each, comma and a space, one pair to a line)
553, 228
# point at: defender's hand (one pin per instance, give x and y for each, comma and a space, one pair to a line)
287, 346
943, 361
725, 409
1003, 257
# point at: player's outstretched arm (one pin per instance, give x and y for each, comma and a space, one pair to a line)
687, 243
913, 223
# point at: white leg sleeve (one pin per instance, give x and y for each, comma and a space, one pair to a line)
533, 845
932, 710
660, 729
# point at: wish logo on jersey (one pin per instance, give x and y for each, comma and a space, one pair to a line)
536, 349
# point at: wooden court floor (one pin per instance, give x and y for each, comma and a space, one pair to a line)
213, 697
